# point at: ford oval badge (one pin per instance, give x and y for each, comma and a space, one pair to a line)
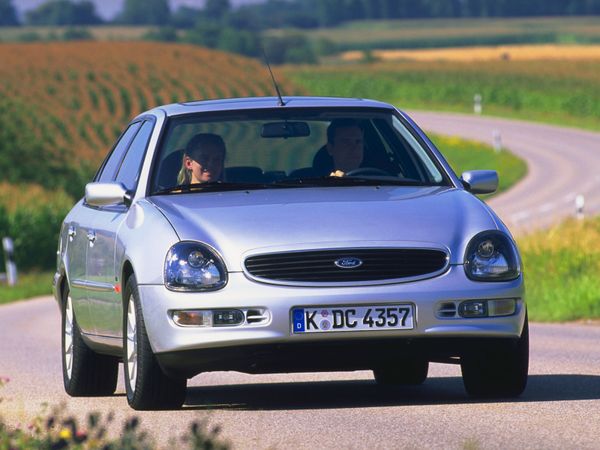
348, 262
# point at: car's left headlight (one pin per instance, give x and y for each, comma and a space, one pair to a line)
492, 256
191, 266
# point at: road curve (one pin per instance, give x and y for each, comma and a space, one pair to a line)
559, 409
562, 164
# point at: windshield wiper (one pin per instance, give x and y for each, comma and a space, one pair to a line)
349, 181
215, 186
211, 186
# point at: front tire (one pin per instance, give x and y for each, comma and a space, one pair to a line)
85, 372
146, 384
499, 370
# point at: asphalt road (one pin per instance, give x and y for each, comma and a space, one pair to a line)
559, 409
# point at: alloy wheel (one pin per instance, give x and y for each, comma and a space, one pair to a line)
132, 351
68, 341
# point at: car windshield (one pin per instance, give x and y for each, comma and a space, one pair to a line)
289, 148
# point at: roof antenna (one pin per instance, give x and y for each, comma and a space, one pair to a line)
281, 102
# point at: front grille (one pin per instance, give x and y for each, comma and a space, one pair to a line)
319, 266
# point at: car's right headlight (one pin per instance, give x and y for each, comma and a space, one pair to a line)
492, 256
191, 266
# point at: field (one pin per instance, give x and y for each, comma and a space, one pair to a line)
546, 52
100, 32
554, 91
435, 33
74, 98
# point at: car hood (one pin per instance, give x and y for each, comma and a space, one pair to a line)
240, 223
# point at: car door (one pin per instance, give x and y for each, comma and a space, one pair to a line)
78, 225
86, 281
105, 298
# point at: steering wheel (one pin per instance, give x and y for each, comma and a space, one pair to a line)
367, 171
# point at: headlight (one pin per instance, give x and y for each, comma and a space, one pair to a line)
492, 256
191, 266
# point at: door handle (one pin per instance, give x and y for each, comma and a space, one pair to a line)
91, 235
71, 232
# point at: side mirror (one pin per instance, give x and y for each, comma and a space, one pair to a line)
480, 181
103, 194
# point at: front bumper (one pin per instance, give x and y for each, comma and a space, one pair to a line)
178, 346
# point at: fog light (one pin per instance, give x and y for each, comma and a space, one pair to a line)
193, 318
228, 317
473, 308
503, 307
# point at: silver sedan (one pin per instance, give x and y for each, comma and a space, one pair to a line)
309, 234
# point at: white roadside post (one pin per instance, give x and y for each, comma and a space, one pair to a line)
477, 106
9, 261
579, 204
497, 141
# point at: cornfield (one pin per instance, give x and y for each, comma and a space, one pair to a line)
65, 103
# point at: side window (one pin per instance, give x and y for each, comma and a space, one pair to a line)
129, 172
112, 163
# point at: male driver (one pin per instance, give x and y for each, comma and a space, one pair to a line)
345, 141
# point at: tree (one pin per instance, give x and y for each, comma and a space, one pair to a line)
244, 42
8, 15
145, 12
205, 33
185, 17
63, 12
217, 9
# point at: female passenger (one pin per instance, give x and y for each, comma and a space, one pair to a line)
203, 159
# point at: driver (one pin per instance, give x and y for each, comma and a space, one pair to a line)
345, 145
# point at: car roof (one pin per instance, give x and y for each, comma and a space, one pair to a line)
257, 103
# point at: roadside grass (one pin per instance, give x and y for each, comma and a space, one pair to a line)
561, 267
33, 284
463, 155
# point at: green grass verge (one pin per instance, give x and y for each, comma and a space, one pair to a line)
463, 155
561, 267
28, 285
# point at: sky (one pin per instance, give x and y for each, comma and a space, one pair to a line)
107, 9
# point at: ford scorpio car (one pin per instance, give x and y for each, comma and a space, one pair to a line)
269, 235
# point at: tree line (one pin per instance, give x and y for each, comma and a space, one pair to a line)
291, 13
240, 30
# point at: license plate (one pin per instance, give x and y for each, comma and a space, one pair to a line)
352, 318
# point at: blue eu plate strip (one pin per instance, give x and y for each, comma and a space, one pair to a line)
298, 320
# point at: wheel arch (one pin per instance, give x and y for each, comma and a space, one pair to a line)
62, 286
126, 273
